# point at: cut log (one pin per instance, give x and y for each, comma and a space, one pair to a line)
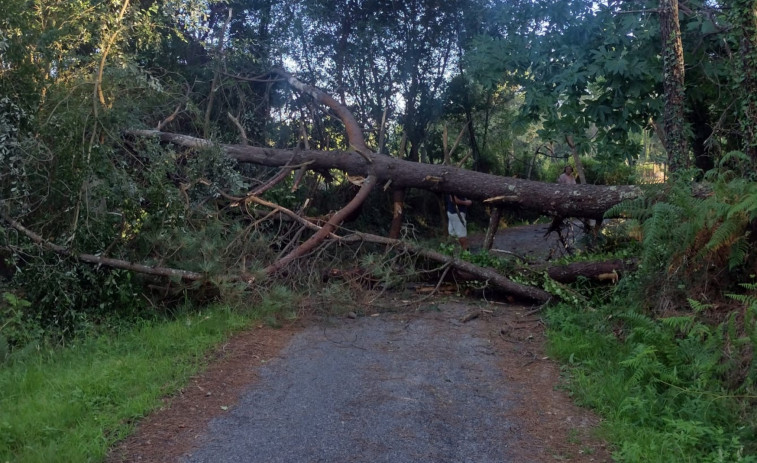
610, 270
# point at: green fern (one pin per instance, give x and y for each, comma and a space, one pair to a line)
685, 238
698, 306
637, 208
725, 234
642, 363
739, 252
750, 299
747, 204
683, 324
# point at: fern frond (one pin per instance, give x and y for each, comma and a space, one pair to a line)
637, 208
749, 300
638, 320
734, 156
747, 205
728, 232
682, 324
642, 362
739, 252
749, 286
698, 306
663, 234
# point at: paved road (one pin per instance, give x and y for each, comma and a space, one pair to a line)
391, 388
530, 242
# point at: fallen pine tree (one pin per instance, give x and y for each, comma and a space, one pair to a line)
368, 170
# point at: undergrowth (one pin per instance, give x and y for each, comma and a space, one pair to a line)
667, 356
660, 383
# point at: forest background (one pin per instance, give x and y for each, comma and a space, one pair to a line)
656, 94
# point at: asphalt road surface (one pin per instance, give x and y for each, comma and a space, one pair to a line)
390, 388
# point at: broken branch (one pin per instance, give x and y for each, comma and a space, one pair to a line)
100, 260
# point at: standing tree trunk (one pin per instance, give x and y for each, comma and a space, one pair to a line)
702, 128
216, 75
744, 18
398, 212
491, 230
398, 199
673, 73
576, 159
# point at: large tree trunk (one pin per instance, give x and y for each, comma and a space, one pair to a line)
700, 125
588, 201
610, 270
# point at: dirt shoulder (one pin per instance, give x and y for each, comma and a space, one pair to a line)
415, 382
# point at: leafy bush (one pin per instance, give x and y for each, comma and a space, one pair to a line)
75, 297
604, 173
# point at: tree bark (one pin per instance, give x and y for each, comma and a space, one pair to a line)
398, 212
744, 18
673, 85
576, 158
357, 142
491, 230
216, 75
603, 271
492, 277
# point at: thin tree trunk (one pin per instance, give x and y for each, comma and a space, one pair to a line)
744, 17
673, 85
216, 77
491, 230
398, 212
576, 159
398, 199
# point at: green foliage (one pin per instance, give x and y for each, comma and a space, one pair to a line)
277, 302
597, 85
484, 259
75, 297
661, 384
76, 181
604, 173
668, 359
688, 240
17, 324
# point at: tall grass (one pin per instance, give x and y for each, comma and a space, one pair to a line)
71, 404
